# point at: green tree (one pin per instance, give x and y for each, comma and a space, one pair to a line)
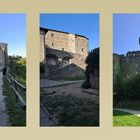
92, 62
17, 67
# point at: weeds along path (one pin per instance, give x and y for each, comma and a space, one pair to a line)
3, 114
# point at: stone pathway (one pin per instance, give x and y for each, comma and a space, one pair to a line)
134, 112
3, 114
51, 83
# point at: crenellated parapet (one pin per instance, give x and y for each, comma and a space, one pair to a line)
133, 54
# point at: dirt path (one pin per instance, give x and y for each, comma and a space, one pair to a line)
73, 89
3, 114
134, 112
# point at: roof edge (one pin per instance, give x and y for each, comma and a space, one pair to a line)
46, 30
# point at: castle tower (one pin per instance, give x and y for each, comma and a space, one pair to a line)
72, 46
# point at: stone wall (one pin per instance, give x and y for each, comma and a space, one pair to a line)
57, 40
126, 66
61, 49
79, 60
62, 41
3, 54
68, 71
72, 43
42, 46
81, 44
94, 81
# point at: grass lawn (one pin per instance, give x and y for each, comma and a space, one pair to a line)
17, 116
125, 119
72, 111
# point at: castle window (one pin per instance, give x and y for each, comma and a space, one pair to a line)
52, 44
52, 35
62, 49
82, 49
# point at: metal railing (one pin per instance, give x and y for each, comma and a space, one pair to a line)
18, 89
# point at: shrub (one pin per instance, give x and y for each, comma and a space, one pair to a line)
42, 70
128, 88
17, 66
86, 84
92, 62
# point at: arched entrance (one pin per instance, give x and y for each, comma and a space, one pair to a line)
51, 59
65, 61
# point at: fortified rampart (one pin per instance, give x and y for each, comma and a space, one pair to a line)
126, 65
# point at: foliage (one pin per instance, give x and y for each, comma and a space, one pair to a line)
86, 84
92, 62
128, 89
132, 87
42, 70
133, 104
125, 119
17, 68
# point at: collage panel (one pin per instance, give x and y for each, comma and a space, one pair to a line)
69, 69
126, 70
12, 70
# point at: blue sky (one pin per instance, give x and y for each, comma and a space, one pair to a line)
126, 33
13, 32
83, 24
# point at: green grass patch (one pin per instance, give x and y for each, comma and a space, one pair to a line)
17, 116
72, 111
121, 118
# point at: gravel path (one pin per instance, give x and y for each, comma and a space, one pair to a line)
134, 112
3, 114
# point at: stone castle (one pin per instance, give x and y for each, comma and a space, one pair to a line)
3, 57
126, 65
63, 53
